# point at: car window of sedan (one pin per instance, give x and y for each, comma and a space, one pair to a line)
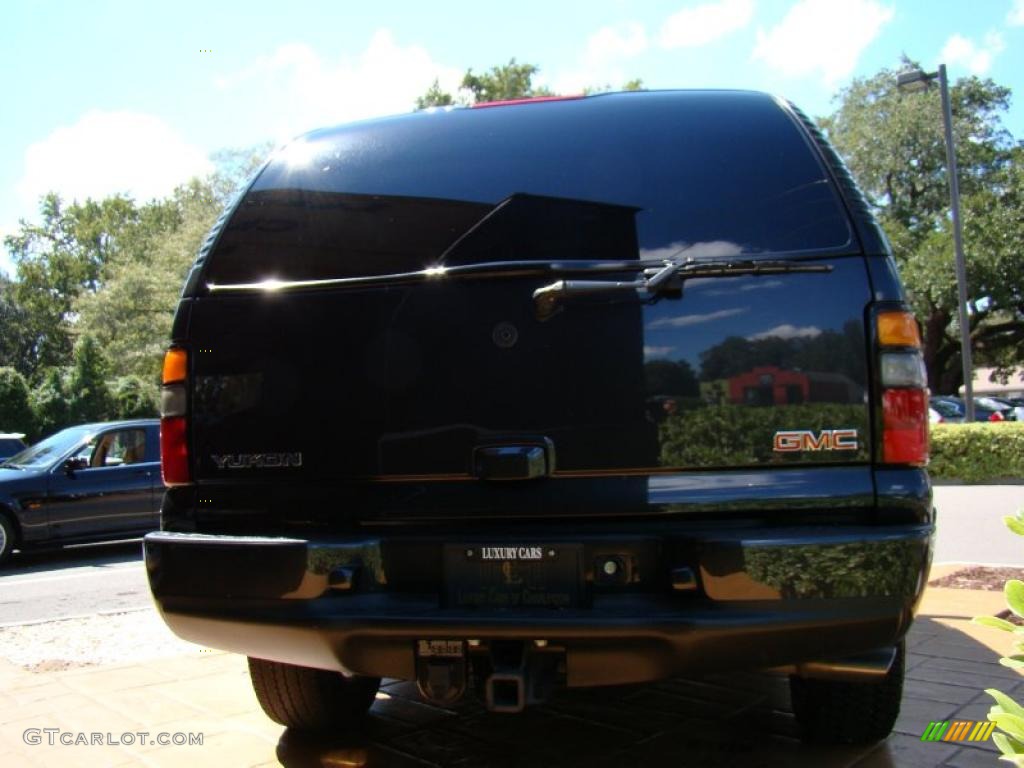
114, 449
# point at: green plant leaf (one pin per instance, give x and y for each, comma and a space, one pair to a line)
1011, 724
994, 622
1014, 591
1012, 745
1009, 705
1002, 743
1015, 524
1013, 662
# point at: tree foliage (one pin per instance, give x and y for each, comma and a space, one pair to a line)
636, 84
435, 97
134, 398
506, 81
89, 398
15, 413
894, 144
500, 83
130, 314
49, 403
111, 269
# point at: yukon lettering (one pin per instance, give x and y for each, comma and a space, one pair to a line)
256, 460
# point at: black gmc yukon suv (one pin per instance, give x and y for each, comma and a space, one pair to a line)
583, 391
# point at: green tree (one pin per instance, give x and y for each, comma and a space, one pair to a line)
89, 398
15, 413
893, 143
65, 256
114, 253
434, 97
49, 401
17, 343
506, 81
664, 377
636, 84
130, 315
134, 398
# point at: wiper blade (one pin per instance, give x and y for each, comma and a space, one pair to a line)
489, 269
666, 279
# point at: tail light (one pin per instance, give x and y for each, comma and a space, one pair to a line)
904, 389
996, 416
174, 463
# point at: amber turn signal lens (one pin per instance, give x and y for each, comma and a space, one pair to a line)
898, 329
175, 365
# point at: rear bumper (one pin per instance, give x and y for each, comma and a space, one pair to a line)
761, 599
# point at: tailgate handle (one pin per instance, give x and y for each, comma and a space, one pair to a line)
515, 461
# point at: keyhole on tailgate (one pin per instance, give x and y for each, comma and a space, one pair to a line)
505, 335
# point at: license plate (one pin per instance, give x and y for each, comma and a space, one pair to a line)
498, 575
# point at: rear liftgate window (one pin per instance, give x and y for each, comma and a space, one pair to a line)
703, 174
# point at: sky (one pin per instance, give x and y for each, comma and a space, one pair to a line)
130, 97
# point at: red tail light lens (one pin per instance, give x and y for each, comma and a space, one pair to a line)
996, 416
174, 451
903, 381
174, 463
905, 423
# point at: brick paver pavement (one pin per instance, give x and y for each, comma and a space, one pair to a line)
741, 719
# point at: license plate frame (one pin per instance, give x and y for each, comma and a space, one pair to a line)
511, 576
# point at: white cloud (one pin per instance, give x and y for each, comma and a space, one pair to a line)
684, 321
977, 59
600, 64
302, 90
105, 153
619, 42
1015, 18
703, 24
822, 37
788, 331
654, 352
706, 250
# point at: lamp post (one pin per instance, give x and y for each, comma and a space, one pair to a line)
918, 80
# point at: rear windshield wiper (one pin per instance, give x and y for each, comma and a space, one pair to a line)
656, 274
666, 280
658, 278
487, 269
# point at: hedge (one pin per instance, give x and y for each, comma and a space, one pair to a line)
977, 453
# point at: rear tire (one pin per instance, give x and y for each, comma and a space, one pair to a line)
311, 699
839, 712
6, 538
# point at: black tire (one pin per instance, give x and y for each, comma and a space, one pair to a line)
7, 536
838, 712
311, 699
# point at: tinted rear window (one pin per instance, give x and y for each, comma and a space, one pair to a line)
10, 446
620, 176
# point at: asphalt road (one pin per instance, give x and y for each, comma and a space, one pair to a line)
76, 581
109, 578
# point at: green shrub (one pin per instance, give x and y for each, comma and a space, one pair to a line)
15, 413
975, 453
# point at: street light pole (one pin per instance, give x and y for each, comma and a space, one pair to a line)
918, 80
958, 246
